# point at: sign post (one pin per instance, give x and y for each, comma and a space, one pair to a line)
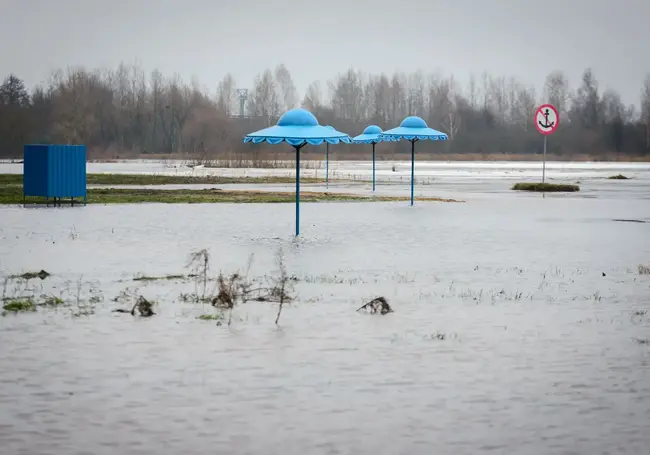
547, 120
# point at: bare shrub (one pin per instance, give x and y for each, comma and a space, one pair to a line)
377, 305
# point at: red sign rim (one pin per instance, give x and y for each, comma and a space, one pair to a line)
557, 117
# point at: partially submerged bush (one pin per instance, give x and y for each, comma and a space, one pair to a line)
232, 290
618, 177
377, 305
240, 289
142, 305
237, 288
644, 269
545, 187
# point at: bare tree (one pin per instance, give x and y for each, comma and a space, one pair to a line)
398, 94
226, 94
13, 92
613, 115
117, 113
381, 108
263, 100
313, 96
586, 105
645, 110
523, 106
443, 104
347, 95
417, 95
472, 92
556, 91
287, 93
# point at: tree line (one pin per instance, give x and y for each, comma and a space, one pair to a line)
125, 112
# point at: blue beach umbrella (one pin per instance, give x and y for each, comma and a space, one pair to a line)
371, 135
298, 127
413, 129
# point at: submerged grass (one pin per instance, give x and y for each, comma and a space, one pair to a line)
545, 187
19, 305
211, 317
618, 177
31, 275
158, 278
13, 195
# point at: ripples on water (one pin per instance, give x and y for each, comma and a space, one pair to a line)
506, 336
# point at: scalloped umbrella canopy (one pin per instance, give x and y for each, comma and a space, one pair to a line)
414, 128
298, 127
370, 134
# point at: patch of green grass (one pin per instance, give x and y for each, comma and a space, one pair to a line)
545, 187
19, 305
618, 177
13, 195
157, 278
11, 179
51, 301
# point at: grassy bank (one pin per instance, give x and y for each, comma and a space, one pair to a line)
13, 195
546, 187
158, 179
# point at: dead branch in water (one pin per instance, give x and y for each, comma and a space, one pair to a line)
281, 283
377, 305
199, 263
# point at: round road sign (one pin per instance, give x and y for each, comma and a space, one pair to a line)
546, 119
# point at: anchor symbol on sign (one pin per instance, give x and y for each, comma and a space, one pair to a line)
546, 123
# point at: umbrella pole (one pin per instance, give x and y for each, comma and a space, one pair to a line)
412, 171
373, 166
327, 164
298, 147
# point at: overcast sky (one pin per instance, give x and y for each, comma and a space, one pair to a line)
318, 39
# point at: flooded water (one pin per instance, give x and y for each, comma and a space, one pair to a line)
519, 327
388, 171
433, 178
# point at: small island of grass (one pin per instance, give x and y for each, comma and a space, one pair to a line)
546, 187
618, 177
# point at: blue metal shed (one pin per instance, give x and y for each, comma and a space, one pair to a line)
54, 171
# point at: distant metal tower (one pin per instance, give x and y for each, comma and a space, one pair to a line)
242, 94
